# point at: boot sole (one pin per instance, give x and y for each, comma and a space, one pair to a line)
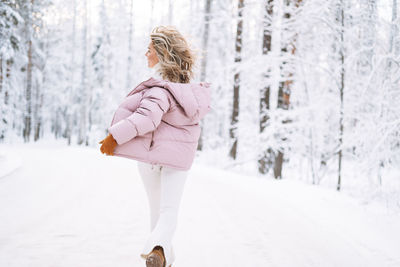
146, 256
153, 261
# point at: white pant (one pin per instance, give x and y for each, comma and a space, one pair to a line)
164, 187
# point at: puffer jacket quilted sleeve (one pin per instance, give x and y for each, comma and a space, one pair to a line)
145, 118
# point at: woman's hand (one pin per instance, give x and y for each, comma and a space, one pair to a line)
108, 145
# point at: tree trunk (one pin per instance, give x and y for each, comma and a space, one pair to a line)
389, 101
265, 160
130, 48
341, 90
71, 111
28, 92
38, 111
39, 119
3, 124
284, 91
394, 30
5, 105
207, 18
83, 102
236, 86
1, 75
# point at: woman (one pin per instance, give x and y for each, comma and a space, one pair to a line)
157, 124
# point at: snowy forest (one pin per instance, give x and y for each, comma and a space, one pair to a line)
304, 87
298, 161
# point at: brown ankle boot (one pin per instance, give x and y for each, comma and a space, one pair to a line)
156, 258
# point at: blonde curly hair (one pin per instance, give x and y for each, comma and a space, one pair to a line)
175, 56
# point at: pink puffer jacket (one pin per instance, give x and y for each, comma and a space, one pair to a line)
158, 122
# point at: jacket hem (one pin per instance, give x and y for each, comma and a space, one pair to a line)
152, 162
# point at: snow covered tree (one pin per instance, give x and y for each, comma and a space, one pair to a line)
266, 158
130, 47
84, 96
321, 78
236, 85
10, 45
206, 30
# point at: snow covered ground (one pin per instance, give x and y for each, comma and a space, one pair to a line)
73, 206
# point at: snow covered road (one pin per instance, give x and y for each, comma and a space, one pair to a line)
73, 206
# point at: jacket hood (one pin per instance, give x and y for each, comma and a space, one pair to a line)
194, 98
